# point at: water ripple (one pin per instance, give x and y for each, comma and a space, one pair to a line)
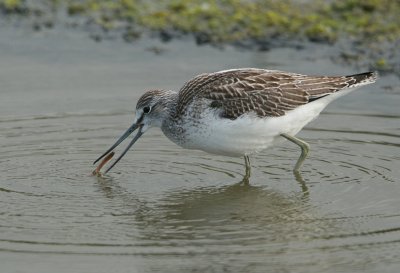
165, 201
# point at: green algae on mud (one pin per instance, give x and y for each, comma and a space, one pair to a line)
371, 26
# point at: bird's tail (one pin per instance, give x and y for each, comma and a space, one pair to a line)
363, 78
339, 83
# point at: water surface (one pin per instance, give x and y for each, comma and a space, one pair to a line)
64, 99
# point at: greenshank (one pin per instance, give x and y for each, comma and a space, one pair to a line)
239, 112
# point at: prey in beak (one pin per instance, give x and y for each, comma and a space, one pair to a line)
128, 132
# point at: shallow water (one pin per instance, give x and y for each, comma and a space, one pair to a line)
65, 99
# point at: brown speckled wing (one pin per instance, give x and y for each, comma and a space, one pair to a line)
268, 93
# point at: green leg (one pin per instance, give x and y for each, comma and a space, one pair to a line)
304, 150
248, 169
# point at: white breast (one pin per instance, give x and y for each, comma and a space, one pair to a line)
247, 134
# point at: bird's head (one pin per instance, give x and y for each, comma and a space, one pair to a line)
151, 110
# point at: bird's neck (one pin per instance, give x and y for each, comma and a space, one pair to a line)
170, 124
170, 102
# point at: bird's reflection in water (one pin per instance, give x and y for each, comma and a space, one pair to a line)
234, 212
299, 178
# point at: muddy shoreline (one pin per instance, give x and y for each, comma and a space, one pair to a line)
362, 44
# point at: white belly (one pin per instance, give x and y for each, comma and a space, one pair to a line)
245, 135
248, 134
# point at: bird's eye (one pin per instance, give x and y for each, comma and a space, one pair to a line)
146, 110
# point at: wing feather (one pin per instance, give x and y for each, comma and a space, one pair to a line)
269, 93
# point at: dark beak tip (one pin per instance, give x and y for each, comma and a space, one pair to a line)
138, 135
124, 136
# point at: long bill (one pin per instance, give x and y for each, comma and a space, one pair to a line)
122, 138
